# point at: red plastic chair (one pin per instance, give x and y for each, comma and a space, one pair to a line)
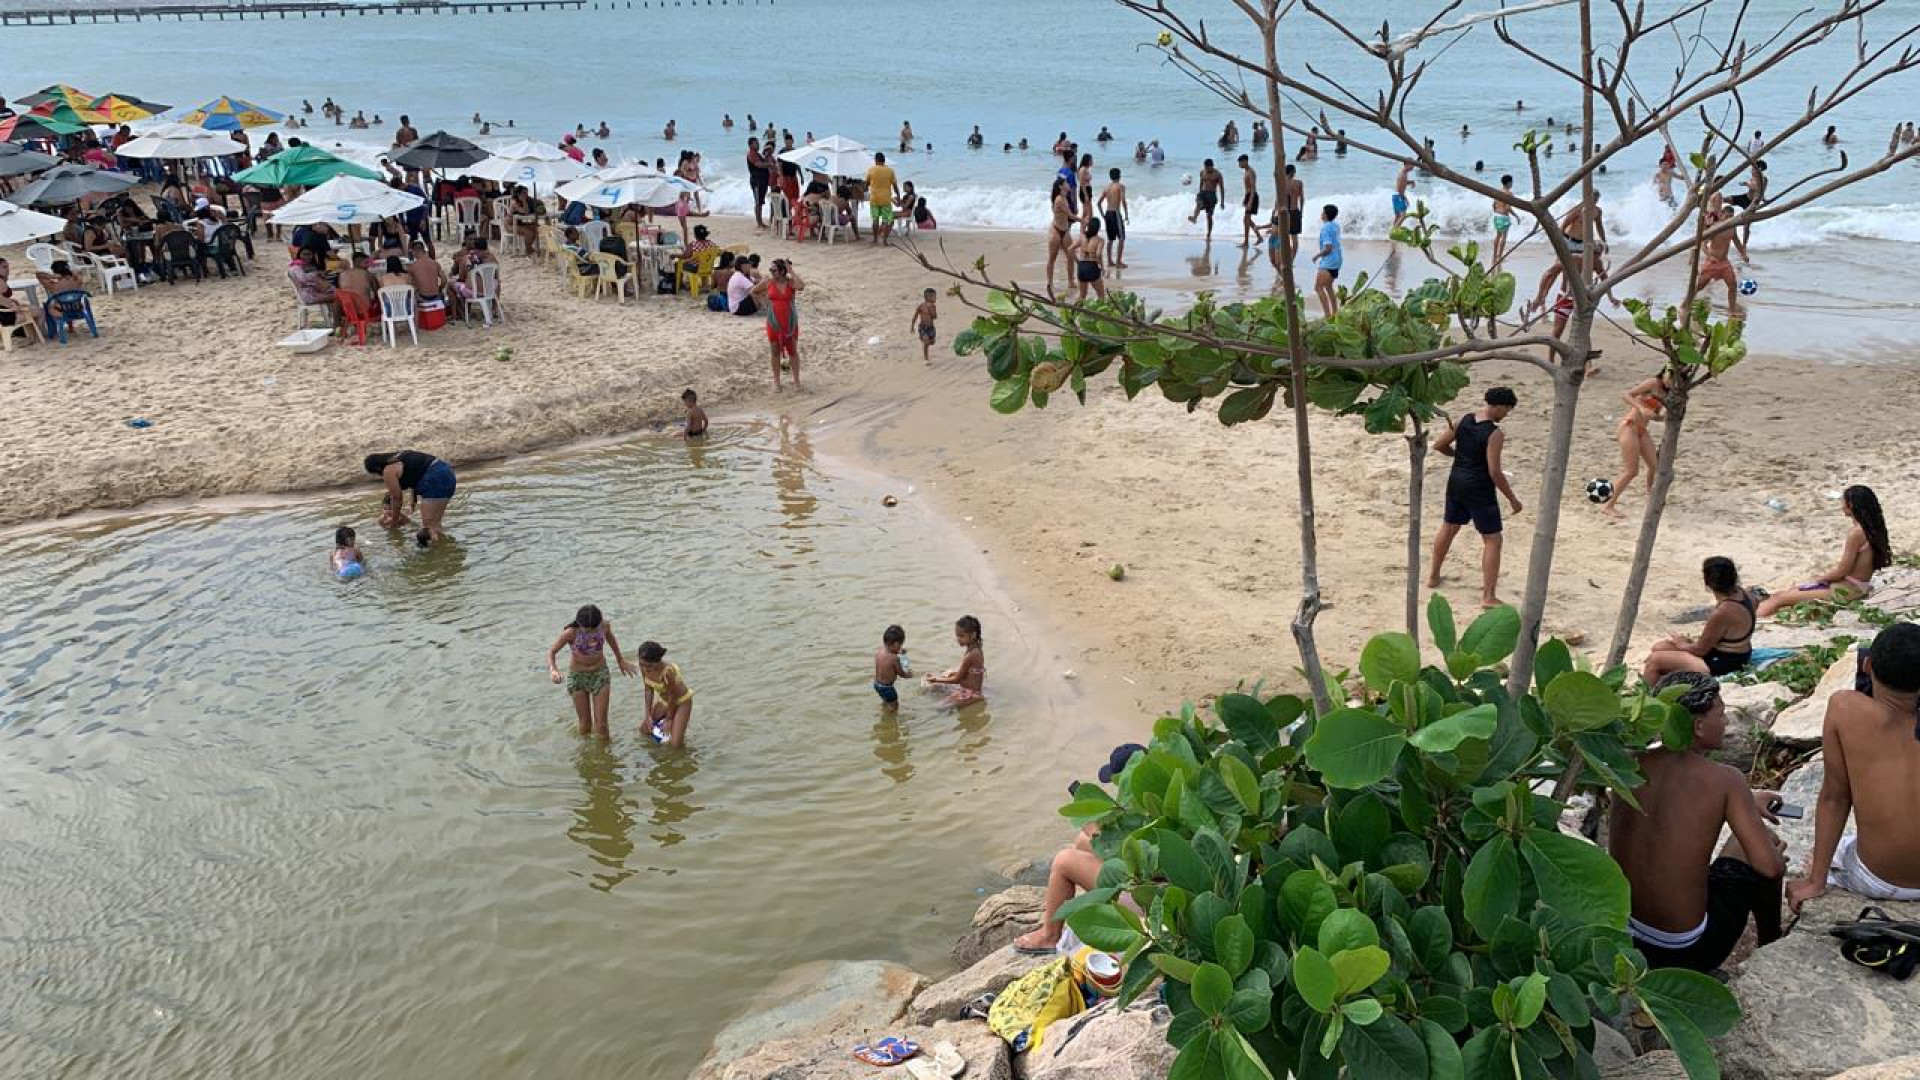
356, 313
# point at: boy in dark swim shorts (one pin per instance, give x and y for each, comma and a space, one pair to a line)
923, 318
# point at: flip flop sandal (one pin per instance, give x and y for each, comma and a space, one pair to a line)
946, 1057
1032, 950
886, 1052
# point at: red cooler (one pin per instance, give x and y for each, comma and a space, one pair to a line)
433, 314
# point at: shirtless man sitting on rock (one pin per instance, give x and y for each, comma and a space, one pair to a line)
1689, 909
1074, 868
1872, 750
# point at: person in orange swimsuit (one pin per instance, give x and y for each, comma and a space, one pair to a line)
1646, 402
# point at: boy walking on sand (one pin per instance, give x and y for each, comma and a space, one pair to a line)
923, 317
890, 664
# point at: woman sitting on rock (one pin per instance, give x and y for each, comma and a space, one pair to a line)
1725, 644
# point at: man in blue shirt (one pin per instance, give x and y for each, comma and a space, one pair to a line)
1328, 260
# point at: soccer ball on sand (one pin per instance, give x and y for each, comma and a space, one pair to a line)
1599, 489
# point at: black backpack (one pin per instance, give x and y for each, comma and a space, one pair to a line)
1877, 941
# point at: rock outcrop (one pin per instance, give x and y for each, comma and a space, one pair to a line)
1809, 1014
945, 999
1659, 1065
1906, 1068
1798, 725
814, 1013
1756, 703
1003, 917
1105, 1044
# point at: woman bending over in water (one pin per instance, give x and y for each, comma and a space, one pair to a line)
1645, 404
969, 678
1867, 549
1725, 644
587, 638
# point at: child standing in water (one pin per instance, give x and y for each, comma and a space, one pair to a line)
890, 664
347, 561
587, 679
669, 700
969, 678
923, 318
696, 426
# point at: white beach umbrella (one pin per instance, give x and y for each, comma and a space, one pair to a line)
180, 142
627, 185
835, 155
346, 200
538, 165
19, 224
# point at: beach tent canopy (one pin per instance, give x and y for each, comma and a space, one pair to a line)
124, 109
17, 160
57, 94
302, 166
232, 114
538, 165
22, 126
347, 200
180, 142
70, 183
835, 155
626, 185
18, 225
440, 151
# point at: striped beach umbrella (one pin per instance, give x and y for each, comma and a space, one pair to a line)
124, 108
231, 114
22, 126
58, 94
66, 114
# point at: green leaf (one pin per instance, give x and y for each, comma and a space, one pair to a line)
1198, 1060
1180, 864
1347, 928
1305, 902
1448, 732
1233, 944
1440, 623
1002, 304
1314, 977
1090, 898
1701, 998
1567, 1000
1432, 935
1580, 701
1488, 1055
1362, 829
1173, 967
1443, 1054
1241, 781
1689, 1045
1492, 890
1384, 1050
1239, 1058
1363, 1011
1551, 661
1493, 635
1529, 999
1352, 748
1248, 721
1578, 880
1387, 659
1212, 987
1104, 928
1248, 404
1250, 1010
1009, 395
1356, 969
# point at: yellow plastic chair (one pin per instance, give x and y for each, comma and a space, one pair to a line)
698, 279
581, 285
26, 328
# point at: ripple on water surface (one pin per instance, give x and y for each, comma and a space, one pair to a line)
258, 822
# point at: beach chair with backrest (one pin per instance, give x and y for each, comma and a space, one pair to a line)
42, 256
356, 315
466, 216
224, 250
69, 309
483, 281
111, 268
780, 214
397, 308
25, 327
579, 283
615, 275
177, 252
592, 232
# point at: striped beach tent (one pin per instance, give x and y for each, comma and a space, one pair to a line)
231, 114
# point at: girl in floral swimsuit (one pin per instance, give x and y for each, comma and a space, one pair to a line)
587, 636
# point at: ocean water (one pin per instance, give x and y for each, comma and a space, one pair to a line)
1015, 68
259, 823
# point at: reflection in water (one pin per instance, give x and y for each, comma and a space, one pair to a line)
1390, 271
890, 745
973, 720
1202, 264
603, 823
790, 467
671, 779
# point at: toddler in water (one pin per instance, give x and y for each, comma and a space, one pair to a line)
968, 679
588, 683
347, 561
669, 700
890, 663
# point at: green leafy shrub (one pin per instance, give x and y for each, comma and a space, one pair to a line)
1383, 889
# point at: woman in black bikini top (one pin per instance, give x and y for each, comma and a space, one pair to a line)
1725, 644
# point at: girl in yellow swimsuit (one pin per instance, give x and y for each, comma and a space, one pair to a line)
669, 699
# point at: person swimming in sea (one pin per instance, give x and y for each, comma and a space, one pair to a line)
587, 638
968, 681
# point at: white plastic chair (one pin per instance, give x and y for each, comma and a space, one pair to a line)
397, 308
466, 216
42, 256
829, 222
592, 231
26, 327
484, 282
111, 268
780, 213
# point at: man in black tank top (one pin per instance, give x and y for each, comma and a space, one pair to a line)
1474, 487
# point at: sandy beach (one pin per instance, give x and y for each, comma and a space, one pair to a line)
1202, 516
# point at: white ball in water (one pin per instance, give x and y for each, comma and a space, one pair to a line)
1186, 179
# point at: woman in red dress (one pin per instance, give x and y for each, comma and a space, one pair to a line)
777, 294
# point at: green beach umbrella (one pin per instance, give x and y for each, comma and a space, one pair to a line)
303, 166
21, 126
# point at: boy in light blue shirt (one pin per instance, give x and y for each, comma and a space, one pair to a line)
1328, 260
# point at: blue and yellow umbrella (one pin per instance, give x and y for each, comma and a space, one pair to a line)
231, 114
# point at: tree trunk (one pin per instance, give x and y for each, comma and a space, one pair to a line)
1649, 524
1416, 493
1567, 377
1310, 603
